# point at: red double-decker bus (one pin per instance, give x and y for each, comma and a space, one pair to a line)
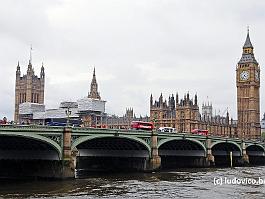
4, 121
199, 132
139, 125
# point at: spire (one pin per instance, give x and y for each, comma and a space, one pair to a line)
227, 117
160, 101
30, 69
94, 80
18, 69
94, 87
42, 74
172, 102
248, 43
248, 54
161, 98
196, 100
151, 100
30, 54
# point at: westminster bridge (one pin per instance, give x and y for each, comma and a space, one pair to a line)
58, 152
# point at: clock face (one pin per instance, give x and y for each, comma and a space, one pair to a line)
244, 75
257, 76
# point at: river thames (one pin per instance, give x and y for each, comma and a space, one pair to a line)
182, 183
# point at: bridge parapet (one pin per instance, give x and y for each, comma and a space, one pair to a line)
66, 139
82, 130
30, 128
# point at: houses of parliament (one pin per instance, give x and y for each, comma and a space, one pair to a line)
182, 114
29, 88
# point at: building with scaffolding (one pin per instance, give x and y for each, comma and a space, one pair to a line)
88, 111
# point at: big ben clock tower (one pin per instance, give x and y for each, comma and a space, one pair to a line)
248, 99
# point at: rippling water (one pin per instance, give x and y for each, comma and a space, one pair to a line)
182, 183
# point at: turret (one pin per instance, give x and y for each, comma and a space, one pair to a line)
196, 100
151, 100
172, 102
30, 68
227, 117
161, 100
177, 98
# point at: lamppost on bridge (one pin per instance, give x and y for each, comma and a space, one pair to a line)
68, 112
155, 122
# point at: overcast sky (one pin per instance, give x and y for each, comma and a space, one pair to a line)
138, 47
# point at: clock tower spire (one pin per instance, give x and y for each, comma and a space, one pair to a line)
248, 98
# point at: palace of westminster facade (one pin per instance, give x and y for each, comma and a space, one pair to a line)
182, 114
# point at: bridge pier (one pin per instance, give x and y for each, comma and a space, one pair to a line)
245, 158
69, 158
209, 156
154, 161
210, 160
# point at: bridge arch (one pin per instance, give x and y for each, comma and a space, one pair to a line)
226, 153
181, 152
257, 146
180, 138
111, 153
256, 154
87, 138
38, 138
231, 143
255, 150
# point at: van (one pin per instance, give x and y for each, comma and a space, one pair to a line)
167, 130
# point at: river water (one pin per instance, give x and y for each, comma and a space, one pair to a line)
182, 183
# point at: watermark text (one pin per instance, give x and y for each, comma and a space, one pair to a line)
238, 181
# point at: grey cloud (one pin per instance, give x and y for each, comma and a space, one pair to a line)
144, 46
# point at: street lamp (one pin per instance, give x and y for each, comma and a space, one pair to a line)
68, 113
155, 121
